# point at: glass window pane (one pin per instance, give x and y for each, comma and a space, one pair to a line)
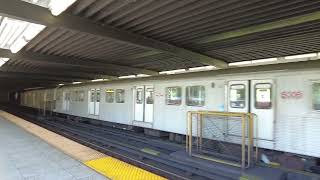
81, 96
98, 95
120, 96
109, 95
149, 95
263, 96
195, 95
238, 96
316, 96
139, 96
173, 96
92, 98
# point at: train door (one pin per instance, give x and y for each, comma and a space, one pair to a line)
255, 96
143, 103
262, 104
94, 101
66, 101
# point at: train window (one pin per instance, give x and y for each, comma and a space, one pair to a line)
263, 94
120, 96
75, 96
109, 95
149, 96
195, 95
58, 96
238, 96
81, 96
173, 96
316, 96
139, 96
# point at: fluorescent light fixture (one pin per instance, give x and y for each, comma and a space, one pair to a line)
3, 61
60, 84
33, 88
202, 68
97, 80
301, 56
264, 60
127, 77
240, 63
15, 34
143, 75
173, 71
58, 6
76, 82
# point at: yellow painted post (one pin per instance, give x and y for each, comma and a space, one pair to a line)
243, 161
190, 135
187, 131
257, 130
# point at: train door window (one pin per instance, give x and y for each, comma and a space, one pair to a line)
237, 96
149, 96
109, 95
120, 95
92, 95
139, 97
173, 96
97, 95
263, 92
316, 96
195, 95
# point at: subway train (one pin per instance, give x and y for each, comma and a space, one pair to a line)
286, 102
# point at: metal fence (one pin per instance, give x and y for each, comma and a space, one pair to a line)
224, 137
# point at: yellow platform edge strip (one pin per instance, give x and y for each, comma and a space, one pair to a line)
119, 170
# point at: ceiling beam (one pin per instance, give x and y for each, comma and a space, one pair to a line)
261, 27
75, 62
37, 76
62, 71
52, 72
32, 13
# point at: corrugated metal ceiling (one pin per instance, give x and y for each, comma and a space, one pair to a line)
180, 23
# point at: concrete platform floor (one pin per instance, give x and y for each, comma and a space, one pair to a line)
24, 156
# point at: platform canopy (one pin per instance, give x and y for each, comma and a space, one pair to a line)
50, 42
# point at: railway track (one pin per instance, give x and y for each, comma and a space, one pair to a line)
127, 146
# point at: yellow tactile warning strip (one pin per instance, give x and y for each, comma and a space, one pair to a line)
108, 166
116, 169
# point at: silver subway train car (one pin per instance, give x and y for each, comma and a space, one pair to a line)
286, 102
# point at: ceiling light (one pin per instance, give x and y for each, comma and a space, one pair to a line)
58, 6
60, 84
3, 61
76, 82
125, 77
203, 68
240, 63
264, 60
301, 56
97, 80
33, 88
143, 75
173, 71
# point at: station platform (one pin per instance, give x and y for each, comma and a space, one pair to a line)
25, 156
31, 152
